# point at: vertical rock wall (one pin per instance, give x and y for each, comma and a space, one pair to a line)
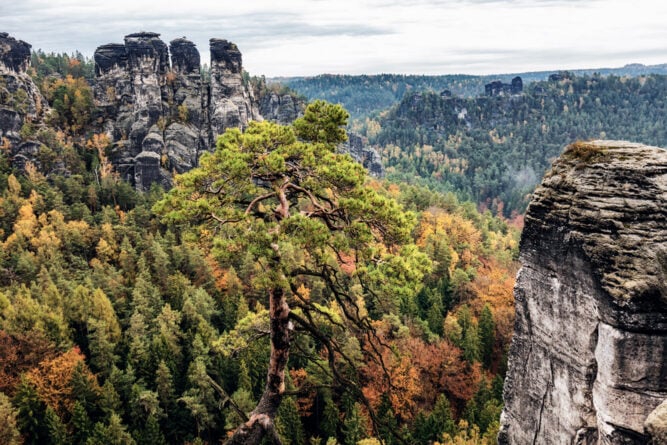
159, 112
20, 100
588, 359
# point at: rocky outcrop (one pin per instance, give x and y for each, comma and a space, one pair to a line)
655, 426
281, 108
587, 362
357, 146
159, 112
497, 88
21, 102
231, 102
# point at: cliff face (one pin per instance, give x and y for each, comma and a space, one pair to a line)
157, 109
587, 363
20, 99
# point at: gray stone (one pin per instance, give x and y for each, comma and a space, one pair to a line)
587, 362
357, 146
281, 108
139, 93
20, 100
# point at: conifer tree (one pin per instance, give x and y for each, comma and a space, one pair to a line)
284, 196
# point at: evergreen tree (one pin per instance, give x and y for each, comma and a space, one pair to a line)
276, 192
330, 416
442, 417
31, 418
81, 425
151, 433
57, 430
353, 426
9, 432
487, 335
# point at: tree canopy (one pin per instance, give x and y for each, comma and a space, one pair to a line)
303, 211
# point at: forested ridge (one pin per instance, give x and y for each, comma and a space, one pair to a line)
365, 95
494, 150
124, 322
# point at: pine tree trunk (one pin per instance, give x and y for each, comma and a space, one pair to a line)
261, 419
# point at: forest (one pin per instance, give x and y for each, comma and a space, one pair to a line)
494, 150
366, 95
278, 281
147, 318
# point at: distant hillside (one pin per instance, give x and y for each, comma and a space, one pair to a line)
365, 94
494, 149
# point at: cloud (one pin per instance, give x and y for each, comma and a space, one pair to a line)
304, 37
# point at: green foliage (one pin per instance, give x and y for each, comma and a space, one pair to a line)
158, 309
487, 335
493, 150
9, 432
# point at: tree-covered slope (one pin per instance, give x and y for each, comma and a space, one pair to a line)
363, 95
495, 149
117, 326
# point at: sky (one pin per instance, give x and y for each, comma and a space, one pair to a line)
310, 37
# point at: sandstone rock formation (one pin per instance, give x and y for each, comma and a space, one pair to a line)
358, 148
20, 100
157, 109
281, 108
588, 359
497, 88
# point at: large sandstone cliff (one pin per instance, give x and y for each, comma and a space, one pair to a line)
588, 359
159, 111
20, 100
152, 101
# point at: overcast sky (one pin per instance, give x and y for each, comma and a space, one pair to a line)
307, 37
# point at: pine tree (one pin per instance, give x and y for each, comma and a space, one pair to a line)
289, 424
9, 432
388, 427
81, 425
329, 421
442, 417
31, 414
487, 336
353, 426
151, 433
57, 430
470, 344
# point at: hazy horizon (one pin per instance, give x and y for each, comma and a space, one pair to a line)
310, 37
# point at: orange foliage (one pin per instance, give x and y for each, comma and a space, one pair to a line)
494, 284
52, 379
442, 369
459, 232
395, 376
304, 402
19, 354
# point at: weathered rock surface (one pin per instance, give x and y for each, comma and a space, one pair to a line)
281, 108
655, 426
20, 100
587, 363
159, 112
358, 148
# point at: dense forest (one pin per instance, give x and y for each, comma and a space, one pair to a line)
130, 317
366, 95
494, 150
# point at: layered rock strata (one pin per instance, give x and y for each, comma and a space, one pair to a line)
157, 109
21, 102
588, 363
